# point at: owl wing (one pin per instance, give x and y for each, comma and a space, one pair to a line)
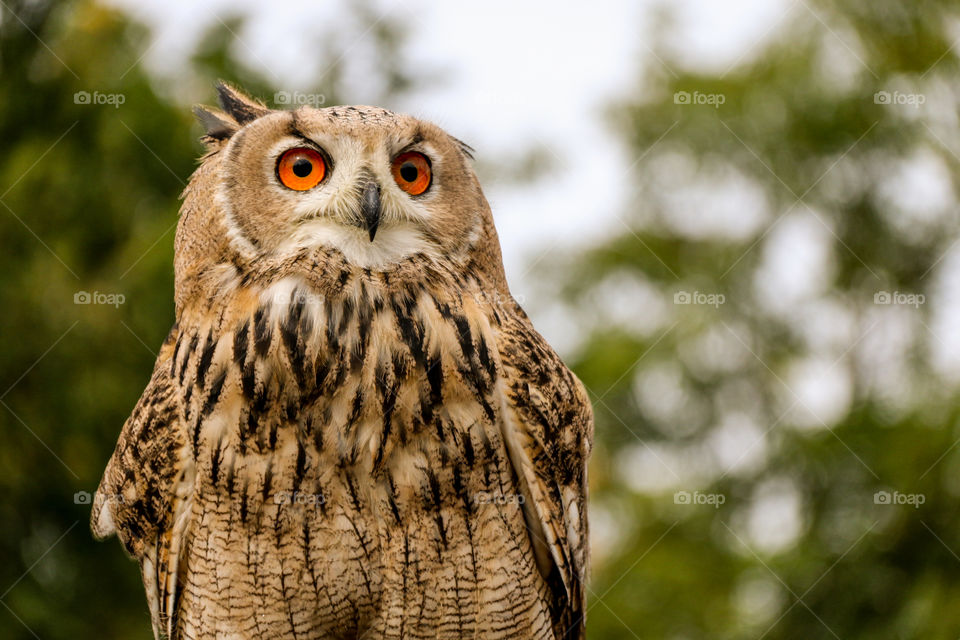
548, 430
143, 496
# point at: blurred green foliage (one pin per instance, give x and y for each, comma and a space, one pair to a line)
818, 124
691, 398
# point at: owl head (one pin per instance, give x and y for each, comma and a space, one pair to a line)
376, 186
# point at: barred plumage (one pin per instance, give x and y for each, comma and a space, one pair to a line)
343, 442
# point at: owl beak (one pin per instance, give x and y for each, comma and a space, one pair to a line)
371, 208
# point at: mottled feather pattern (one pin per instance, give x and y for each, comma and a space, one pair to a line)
327, 450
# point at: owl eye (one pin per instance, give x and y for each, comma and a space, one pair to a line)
411, 171
301, 168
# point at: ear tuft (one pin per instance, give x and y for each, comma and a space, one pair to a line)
217, 125
238, 105
464, 147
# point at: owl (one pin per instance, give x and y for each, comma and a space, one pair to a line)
352, 429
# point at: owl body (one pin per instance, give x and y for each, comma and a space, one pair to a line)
342, 440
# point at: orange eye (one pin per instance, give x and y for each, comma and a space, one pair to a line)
301, 168
411, 171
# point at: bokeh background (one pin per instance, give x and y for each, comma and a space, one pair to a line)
737, 221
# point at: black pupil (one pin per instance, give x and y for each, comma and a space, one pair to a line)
408, 171
302, 167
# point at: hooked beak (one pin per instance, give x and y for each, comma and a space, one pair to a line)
371, 208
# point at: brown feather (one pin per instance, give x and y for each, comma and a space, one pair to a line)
333, 449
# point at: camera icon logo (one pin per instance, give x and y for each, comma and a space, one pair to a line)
882, 97
682, 297
82, 297
81, 97
681, 97
682, 497
82, 497
282, 97
882, 297
882, 497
